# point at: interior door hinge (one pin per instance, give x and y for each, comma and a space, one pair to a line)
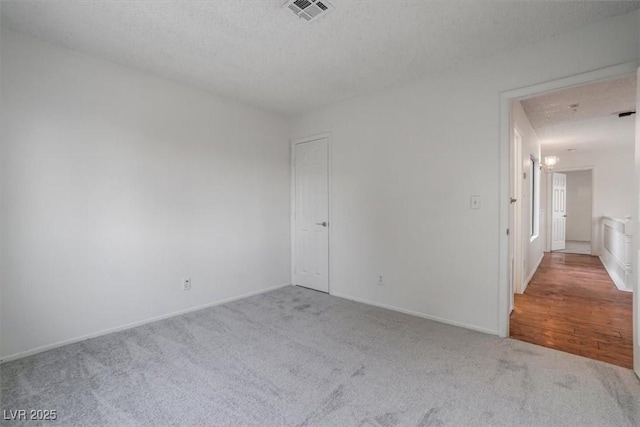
507, 231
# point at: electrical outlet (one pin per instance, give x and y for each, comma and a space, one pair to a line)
186, 284
475, 202
380, 281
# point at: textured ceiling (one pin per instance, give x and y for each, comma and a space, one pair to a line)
597, 99
260, 53
594, 125
602, 133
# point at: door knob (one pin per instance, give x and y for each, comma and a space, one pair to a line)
324, 224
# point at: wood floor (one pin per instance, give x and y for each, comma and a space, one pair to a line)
572, 305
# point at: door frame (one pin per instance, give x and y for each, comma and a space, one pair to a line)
292, 206
549, 213
504, 175
515, 230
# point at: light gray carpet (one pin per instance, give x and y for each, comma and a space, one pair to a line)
298, 357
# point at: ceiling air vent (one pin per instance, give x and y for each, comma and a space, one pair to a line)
626, 113
308, 9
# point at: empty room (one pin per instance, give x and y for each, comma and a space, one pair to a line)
291, 213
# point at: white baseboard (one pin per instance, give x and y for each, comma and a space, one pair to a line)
40, 349
614, 277
533, 272
418, 314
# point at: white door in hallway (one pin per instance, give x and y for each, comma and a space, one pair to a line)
559, 213
515, 218
311, 215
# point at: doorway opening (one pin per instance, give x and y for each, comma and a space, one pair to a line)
561, 287
571, 211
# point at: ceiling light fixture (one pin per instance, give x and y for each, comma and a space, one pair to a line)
549, 163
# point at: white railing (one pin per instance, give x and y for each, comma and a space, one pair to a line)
616, 250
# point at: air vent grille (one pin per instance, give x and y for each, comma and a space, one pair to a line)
626, 113
308, 10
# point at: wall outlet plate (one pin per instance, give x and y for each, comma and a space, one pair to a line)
186, 284
475, 202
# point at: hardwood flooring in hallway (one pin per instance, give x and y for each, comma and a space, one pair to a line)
572, 305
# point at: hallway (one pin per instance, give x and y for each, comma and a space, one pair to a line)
572, 305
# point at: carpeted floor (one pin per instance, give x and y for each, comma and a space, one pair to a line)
298, 357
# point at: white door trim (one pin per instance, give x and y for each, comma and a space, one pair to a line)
515, 232
505, 130
635, 243
292, 218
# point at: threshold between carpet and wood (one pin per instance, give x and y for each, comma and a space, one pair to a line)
571, 304
295, 357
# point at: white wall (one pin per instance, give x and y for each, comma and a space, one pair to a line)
405, 162
532, 246
579, 206
613, 193
117, 184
